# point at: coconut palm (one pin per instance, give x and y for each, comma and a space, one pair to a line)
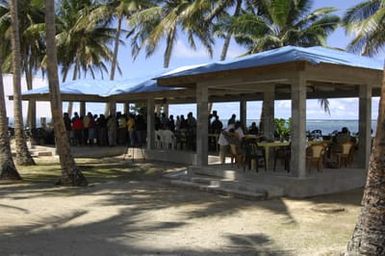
71, 175
82, 39
269, 24
8, 170
276, 23
117, 10
23, 157
367, 22
31, 26
165, 20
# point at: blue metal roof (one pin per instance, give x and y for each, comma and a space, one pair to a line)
105, 88
314, 55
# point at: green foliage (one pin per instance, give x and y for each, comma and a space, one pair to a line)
282, 127
366, 22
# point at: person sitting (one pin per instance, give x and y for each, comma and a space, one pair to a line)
343, 136
253, 129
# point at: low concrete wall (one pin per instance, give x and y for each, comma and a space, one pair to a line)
176, 156
317, 183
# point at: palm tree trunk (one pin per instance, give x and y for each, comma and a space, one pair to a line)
23, 157
31, 117
70, 106
8, 170
71, 174
226, 44
369, 234
170, 44
115, 58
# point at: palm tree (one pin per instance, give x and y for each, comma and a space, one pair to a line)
8, 170
269, 24
276, 23
71, 174
163, 22
120, 10
31, 26
367, 22
83, 39
23, 157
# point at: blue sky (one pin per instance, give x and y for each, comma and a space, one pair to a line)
183, 55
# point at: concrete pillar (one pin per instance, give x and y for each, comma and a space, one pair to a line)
165, 109
298, 127
268, 113
32, 114
150, 124
243, 112
126, 107
157, 109
82, 111
112, 105
364, 125
202, 125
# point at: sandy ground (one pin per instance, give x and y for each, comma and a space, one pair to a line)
141, 216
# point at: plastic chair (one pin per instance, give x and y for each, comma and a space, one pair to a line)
345, 157
253, 152
315, 155
283, 153
169, 141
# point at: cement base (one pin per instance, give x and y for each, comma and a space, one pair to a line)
316, 183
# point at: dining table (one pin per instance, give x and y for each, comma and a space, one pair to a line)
269, 145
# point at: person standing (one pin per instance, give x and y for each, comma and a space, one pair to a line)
131, 129
111, 130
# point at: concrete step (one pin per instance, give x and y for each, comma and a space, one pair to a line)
217, 189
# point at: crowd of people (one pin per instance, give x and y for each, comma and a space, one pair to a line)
122, 129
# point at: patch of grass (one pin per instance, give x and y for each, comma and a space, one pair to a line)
95, 170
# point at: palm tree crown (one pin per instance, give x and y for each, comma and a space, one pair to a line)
270, 24
367, 22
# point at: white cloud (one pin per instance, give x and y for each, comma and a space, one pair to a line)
42, 108
182, 50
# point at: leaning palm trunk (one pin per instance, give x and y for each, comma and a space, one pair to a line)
369, 234
23, 157
31, 117
71, 175
114, 60
226, 43
8, 170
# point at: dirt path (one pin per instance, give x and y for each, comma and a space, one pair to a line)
147, 217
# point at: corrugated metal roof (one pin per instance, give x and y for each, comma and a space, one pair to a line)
314, 55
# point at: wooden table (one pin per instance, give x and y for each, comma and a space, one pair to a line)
268, 145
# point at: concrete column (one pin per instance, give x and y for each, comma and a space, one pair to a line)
157, 109
364, 125
150, 124
112, 105
298, 127
243, 112
268, 113
126, 107
165, 109
32, 114
82, 111
202, 125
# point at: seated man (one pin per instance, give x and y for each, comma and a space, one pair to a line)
253, 129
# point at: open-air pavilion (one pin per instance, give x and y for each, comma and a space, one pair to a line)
292, 73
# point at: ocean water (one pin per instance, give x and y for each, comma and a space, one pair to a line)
328, 126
